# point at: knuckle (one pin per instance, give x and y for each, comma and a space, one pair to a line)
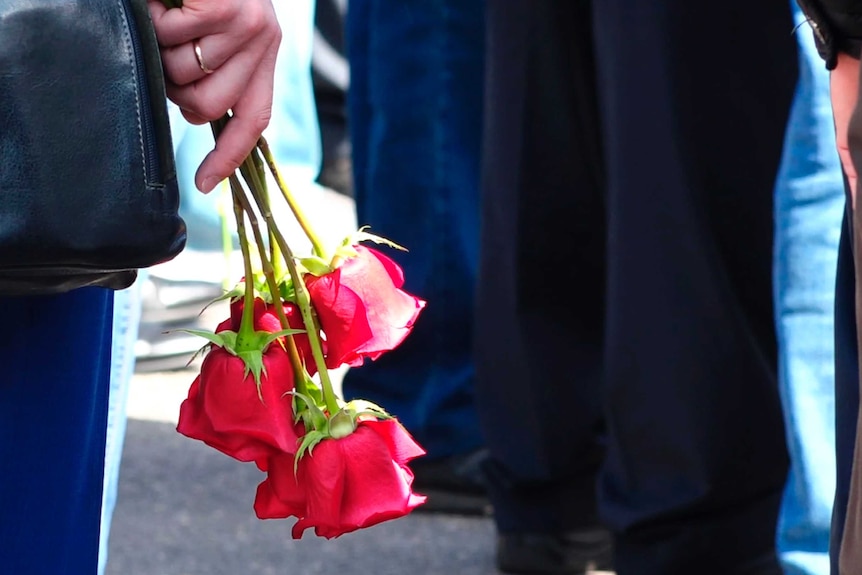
276, 37
211, 108
260, 120
220, 12
259, 21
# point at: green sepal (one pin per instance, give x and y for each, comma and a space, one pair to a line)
227, 295
315, 265
363, 236
229, 340
201, 351
249, 349
309, 442
342, 424
316, 416
314, 391
286, 291
347, 249
253, 360
261, 289
362, 407
277, 334
224, 339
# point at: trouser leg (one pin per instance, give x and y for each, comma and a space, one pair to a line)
846, 385
415, 108
809, 201
541, 281
850, 486
693, 131
55, 353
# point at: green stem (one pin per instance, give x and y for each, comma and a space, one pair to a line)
226, 240
274, 251
252, 172
292, 350
303, 301
246, 325
316, 244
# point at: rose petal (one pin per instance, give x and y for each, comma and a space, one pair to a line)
362, 311
354, 482
194, 423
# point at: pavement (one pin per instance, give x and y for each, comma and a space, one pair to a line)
186, 509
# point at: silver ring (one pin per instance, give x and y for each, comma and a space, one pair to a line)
200, 58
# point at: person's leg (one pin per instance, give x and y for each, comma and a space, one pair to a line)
809, 201
55, 352
415, 119
694, 127
540, 299
846, 384
847, 520
127, 313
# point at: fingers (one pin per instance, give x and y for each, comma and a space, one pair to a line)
238, 41
214, 94
197, 18
251, 115
248, 30
183, 66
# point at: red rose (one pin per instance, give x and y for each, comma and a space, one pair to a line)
343, 484
265, 316
266, 319
362, 310
224, 410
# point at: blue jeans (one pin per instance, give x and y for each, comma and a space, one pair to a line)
415, 108
809, 203
55, 353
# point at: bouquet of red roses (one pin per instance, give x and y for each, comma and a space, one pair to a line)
335, 465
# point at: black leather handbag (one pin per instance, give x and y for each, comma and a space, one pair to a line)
88, 189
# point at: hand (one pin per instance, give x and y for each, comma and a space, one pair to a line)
238, 42
844, 85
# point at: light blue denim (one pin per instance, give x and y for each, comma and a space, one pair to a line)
809, 203
127, 315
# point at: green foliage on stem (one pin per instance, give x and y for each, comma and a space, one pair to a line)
249, 349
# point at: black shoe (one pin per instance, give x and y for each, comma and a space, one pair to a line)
574, 553
452, 484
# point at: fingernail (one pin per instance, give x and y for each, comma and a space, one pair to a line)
208, 184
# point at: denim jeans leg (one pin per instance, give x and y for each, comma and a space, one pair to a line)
127, 314
809, 202
415, 108
53, 409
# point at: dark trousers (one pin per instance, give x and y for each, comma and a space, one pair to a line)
624, 330
846, 383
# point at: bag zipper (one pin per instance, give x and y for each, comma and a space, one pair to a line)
152, 169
